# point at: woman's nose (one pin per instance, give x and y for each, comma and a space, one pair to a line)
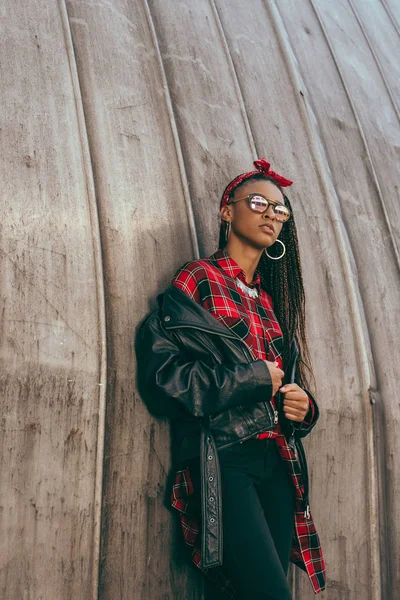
269, 212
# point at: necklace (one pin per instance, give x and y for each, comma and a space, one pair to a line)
252, 292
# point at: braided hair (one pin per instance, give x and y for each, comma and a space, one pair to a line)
283, 280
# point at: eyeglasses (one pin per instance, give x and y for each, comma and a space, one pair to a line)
260, 204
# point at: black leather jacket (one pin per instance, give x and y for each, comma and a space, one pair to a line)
196, 371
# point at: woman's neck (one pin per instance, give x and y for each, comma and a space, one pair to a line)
246, 256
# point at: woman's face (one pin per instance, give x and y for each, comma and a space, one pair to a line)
258, 230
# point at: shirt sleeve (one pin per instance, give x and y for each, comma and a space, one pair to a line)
188, 279
308, 419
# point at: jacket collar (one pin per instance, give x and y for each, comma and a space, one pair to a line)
177, 309
223, 261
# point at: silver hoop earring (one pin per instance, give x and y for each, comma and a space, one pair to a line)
276, 257
227, 231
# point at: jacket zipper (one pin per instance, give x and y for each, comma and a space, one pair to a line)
273, 412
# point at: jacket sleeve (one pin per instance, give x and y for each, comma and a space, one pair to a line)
170, 384
304, 427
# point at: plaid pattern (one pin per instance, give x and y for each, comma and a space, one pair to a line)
211, 283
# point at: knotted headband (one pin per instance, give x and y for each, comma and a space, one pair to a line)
262, 166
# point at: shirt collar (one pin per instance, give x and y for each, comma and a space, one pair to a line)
230, 266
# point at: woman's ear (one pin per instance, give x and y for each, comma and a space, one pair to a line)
225, 213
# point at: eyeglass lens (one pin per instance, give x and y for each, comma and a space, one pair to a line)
260, 204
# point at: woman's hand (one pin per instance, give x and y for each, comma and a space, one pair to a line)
295, 403
276, 375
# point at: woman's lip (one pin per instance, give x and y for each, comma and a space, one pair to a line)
267, 228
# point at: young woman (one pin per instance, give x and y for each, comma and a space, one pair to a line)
225, 357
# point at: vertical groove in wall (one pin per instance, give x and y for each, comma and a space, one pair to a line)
379, 423
366, 376
97, 252
174, 129
372, 465
362, 135
391, 17
388, 88
235, 79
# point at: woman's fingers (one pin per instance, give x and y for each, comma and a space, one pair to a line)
295, 408
276, 375
293, 417
295, 403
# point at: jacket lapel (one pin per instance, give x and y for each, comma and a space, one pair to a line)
177, 309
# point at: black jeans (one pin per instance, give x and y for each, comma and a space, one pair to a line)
258, 504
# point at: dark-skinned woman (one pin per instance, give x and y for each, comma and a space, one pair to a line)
225, 357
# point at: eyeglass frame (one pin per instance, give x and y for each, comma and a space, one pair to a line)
269, 203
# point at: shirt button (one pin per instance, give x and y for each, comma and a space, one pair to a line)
167, 318
211, 478
210, 457
212, 520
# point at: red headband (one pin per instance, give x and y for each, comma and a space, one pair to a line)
262, 166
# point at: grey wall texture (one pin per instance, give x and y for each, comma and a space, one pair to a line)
121, 123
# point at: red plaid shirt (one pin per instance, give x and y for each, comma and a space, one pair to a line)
211, 282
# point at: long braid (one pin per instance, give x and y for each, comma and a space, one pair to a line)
283, 280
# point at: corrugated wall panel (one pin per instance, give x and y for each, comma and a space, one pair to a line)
393, 10
123, 121
146, 230
51, 351
373, 19
366, 143
210, 116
